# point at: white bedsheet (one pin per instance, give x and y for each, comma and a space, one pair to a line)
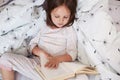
98, 39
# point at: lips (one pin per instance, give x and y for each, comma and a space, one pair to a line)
60, 24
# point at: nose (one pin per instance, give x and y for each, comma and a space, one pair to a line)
61, 20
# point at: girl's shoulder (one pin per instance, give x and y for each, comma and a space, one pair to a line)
70, 29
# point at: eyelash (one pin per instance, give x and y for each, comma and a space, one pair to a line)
58, 17
65, 17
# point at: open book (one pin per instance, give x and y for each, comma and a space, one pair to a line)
64, 71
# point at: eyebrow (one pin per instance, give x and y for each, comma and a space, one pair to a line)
59, 15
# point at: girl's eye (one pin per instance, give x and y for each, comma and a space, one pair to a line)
65, 17
56, 16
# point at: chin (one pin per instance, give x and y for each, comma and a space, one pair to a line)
60, 26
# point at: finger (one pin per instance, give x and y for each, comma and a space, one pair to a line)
53, 66
56, 66
48, 65
49, 58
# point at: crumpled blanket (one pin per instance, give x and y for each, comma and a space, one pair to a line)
98, 40
19, 22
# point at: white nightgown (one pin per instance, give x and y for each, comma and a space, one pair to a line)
54, 41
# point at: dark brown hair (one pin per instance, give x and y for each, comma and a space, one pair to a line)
49, 5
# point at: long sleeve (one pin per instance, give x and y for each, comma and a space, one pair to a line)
34, 42
72, 44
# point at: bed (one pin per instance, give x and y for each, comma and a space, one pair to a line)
98, 38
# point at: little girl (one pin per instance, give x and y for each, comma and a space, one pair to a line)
57, 40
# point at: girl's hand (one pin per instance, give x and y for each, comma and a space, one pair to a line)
53, 62
37, 51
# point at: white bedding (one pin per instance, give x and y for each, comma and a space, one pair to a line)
98, 39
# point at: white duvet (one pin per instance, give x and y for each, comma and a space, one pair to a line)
98, 40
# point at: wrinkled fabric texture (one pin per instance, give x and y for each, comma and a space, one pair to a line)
98, 39
114, 11
21, 64
56, 41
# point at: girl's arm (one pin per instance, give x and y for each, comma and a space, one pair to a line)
71, 51
37, 51
53, 62
64, 58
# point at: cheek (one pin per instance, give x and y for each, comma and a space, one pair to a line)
66, 21
54, 20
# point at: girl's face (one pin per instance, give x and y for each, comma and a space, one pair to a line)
60, 16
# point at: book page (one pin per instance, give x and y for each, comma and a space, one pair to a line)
43, 60
60, 73
75, 66
80, 68
57, 74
